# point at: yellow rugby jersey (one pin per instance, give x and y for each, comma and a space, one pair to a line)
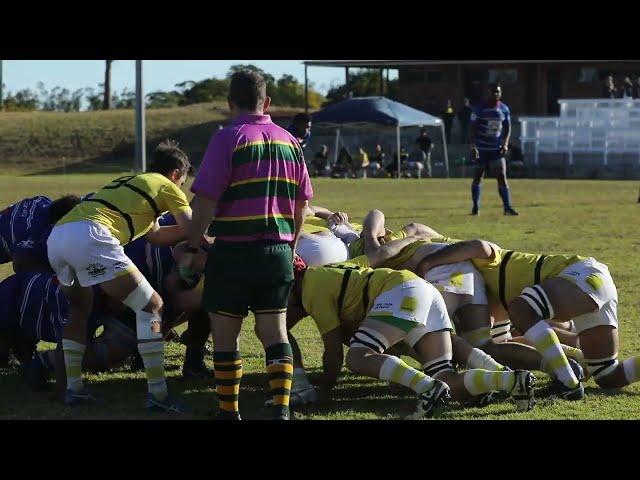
314, 225
357, 248
129, 206
509, 272
341, 293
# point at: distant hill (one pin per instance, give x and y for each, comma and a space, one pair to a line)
103, 141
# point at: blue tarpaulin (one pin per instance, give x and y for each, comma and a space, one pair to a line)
367, 112
374, 110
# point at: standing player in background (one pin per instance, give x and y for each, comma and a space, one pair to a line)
490, 132
300, 128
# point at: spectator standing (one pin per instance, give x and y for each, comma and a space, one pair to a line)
448, 114
464, 117
626, 89
250, 265
609, 88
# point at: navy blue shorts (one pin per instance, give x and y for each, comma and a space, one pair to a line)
488, 157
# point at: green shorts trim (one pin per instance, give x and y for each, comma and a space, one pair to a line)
401, 323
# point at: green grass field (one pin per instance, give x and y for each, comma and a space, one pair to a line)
593, 218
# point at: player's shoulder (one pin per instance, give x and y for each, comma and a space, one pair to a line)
504, 107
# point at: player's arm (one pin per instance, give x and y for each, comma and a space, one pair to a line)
170, 234
458, 252
305, 193
320, 212
389, 250
506, 128
298, 221
473, 132
372, 228
332, 360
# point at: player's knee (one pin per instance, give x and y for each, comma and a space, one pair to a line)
607, 372
356, 357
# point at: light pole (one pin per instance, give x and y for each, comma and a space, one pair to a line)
1, 84
141, 151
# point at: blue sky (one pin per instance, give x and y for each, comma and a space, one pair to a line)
158, 74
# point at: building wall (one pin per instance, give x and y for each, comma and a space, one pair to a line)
533, 90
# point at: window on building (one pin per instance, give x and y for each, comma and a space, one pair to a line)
434, 76
415, 76
587, 75
503, 75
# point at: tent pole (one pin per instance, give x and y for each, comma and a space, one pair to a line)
335, 156
446, 153
398, 148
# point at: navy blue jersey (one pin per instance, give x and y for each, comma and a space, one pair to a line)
22, 220
154, 262
490, 122
35, 247
34, 304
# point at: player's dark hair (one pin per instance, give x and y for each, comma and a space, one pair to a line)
300, 118
168, 157
247, 89
60, 207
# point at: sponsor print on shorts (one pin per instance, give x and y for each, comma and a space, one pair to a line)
96, 269
120, 265
594, 281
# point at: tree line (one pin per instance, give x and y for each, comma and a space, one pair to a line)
285, 91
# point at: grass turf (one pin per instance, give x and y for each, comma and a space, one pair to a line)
592, 218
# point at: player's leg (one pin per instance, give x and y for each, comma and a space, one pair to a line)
197, 335
269, 298
476, 187
553, 298
500, 169
74, 343
366, 357
225, 297
134, 290
436, 352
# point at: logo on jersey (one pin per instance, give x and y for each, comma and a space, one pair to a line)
26, 243
96, 269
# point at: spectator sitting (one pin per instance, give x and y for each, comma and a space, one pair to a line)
414, 164
321, 162
377, 162
360, 163
343, 164
392, 168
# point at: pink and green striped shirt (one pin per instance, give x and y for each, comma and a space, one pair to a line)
256, 173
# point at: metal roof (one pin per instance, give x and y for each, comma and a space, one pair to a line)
400, 63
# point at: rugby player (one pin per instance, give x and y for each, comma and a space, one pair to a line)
536, 288
383, 307
85, 248
490, 131
33, 308
28, 221
462, 288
